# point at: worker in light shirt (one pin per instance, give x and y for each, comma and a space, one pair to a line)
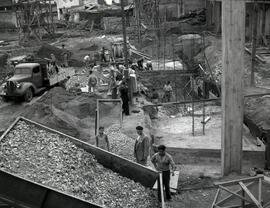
162, 162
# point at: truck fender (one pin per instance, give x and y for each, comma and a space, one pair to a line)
26, 85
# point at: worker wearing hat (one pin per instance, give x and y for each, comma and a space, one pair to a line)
141, 147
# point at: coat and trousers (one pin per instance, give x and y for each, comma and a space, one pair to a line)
141, 149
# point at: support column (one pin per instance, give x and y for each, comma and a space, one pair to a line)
233, 40
217, 9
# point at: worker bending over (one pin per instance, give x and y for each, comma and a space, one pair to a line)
162, 162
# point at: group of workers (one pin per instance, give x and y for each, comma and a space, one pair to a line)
122, 82
167, 94
161, 160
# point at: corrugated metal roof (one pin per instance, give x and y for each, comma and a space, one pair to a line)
4, 3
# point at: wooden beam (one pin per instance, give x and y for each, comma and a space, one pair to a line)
235, 182
235, 194
221, 202
250, 195
254, 43
233, 40
215, 199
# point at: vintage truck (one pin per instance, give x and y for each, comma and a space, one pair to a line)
30, 79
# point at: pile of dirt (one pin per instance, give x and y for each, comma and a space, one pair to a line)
70, 113
46, 50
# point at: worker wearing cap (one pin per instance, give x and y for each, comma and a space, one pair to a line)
162, 162
141, 147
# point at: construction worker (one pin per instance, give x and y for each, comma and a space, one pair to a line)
102, 55
102, 140
123, 89
140, 64
149, 66
141, 147
113, 85
53, 59
162, 162
167, 92
92, 82
86, 61
154, 96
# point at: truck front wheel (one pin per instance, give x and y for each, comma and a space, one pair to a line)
28, 96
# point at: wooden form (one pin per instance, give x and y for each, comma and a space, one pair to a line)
98, 110
233, 40
243, 193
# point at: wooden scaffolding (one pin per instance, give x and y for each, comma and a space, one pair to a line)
34, 19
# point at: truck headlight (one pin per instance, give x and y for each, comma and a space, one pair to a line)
4, 85
18, 85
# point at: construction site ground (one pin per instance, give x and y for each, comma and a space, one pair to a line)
74, 114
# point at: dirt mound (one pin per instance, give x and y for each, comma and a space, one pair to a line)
46, 50
45, 115
70, 113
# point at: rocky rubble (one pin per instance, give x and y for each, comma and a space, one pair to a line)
120, 143
53, 160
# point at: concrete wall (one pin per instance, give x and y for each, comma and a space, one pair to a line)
7, 20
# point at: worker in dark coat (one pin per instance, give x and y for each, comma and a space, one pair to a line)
141, 147
124, 96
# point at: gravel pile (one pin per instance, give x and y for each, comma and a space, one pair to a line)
53, 160
120, 143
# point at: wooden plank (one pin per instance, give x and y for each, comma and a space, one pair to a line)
233, 40
250, 195
235, 194
231, 195
257, 56
9, 128
161, 190
234, 182
182, 102
215, 199
260, 191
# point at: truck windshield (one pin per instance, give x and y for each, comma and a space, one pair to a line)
23, 71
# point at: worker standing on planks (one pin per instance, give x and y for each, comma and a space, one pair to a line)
92, 82
102, 140
141, 147
162, 162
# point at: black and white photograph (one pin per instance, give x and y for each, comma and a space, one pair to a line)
134, 103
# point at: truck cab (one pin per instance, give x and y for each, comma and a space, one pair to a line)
28, 79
